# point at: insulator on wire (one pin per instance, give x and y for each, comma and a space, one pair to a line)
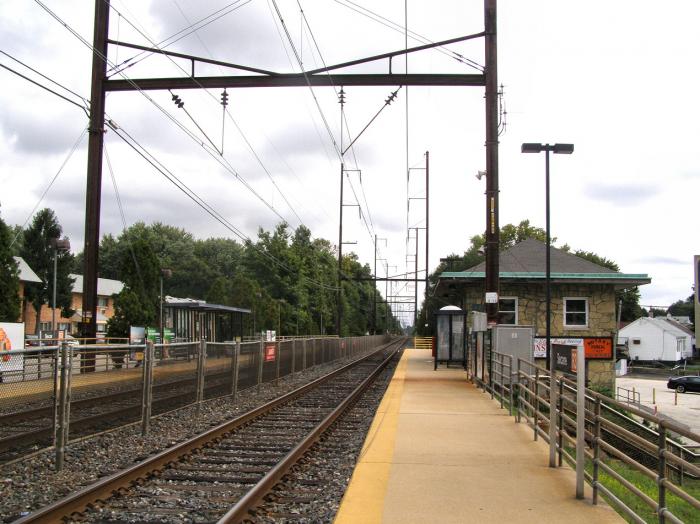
224, 98
341, 96
178, 101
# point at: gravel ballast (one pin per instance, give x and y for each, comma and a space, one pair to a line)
32, 483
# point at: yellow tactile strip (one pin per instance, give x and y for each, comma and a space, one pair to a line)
364, 499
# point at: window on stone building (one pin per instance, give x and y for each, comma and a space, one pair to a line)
508, 310
45, 326
101, 301
575, 312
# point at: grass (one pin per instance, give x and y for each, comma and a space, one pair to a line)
680, 508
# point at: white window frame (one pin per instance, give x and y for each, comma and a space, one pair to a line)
102, 301
516, 309
575, 326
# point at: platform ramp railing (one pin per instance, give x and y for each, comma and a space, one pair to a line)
644, 465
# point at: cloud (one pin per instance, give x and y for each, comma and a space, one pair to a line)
622, 194
662, 260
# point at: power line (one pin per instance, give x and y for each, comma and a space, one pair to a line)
311, 89
222, 161
45, 88
180, 104
401, 29
41, 198
210, 210
115, 69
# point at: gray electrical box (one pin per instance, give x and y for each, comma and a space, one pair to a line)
479, 321
515, 341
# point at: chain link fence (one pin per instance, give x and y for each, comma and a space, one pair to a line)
59, 393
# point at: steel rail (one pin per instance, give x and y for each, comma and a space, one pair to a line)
240, 511
106, 487
36, 435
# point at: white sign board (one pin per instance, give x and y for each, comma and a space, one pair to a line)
11, 341
491, 298
540, 345
270, 335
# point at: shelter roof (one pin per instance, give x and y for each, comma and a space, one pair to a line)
26, 274
106, 287
201, 305
526, 261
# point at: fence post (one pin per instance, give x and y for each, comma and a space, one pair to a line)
303, 355
596, 449
261, 356
520, 393
63, 404
560, 424
234, 369
491, 382
201, 362
147, 388
552, 419
580, 420
510, 383
278, 358
536, 403
662, 472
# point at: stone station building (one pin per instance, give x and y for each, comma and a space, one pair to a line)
583, 296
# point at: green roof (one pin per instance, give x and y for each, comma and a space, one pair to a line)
541, 274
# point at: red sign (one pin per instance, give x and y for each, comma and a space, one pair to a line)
597, 347
270, 352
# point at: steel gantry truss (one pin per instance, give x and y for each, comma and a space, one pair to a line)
325, 76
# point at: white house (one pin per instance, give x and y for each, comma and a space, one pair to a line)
650, 339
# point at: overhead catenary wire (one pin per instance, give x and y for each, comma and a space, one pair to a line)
368, 13
51, 183
123, 218
180, 104
45, 88
208, 208
203, 22
143, 152
311, 89
221, 160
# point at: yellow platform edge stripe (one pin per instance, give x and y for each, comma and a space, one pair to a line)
363, 501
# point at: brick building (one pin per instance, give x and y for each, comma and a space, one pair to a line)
583, 295
106, 288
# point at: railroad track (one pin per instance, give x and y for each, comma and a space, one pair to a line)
21, 431
223, 473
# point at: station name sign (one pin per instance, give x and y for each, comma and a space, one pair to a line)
600, 348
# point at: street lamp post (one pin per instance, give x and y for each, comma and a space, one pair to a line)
164, 273
565, 149
58, 244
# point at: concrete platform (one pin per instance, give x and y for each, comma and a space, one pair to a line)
439, 450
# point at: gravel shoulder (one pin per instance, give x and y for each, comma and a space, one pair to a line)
33, 483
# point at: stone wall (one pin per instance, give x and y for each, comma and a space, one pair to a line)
532, 306
532, 312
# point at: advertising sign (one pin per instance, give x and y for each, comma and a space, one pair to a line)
270, 335
595, 347
11, 340
564, 358
137, 336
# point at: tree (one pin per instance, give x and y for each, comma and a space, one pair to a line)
683, 308
38, 253
9, 278
138, 303
509, 236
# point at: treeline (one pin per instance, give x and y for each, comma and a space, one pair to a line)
288, 279
510, 234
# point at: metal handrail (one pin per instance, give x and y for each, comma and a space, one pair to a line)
604, 419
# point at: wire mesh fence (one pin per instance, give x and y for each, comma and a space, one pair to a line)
55, 394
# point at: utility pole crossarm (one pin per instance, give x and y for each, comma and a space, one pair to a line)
294, 80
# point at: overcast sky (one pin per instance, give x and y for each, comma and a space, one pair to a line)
617, 79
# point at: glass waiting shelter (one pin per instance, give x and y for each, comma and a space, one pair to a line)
451, 346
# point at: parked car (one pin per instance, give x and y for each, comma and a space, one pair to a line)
683, 384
